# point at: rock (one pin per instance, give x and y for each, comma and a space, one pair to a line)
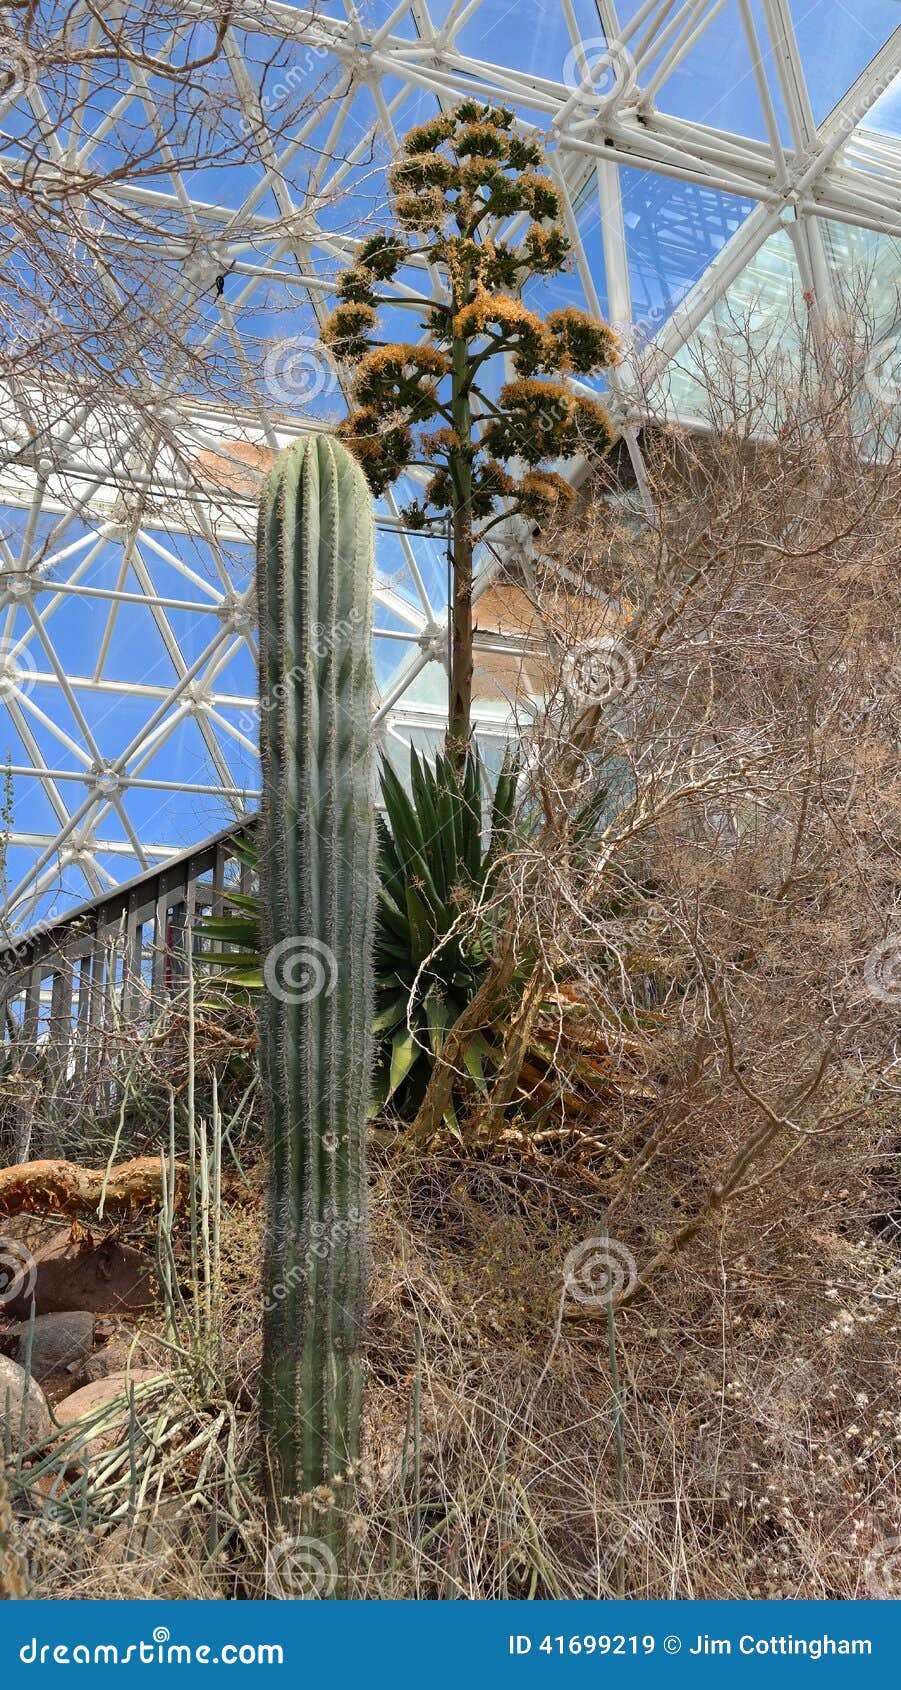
114, 1357
69, 1275
96, 1366
17, 1390
57, 1341
91, 1399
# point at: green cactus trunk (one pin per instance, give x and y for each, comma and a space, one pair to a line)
317, 874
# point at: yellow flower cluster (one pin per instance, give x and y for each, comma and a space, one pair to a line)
545, 487
488, 309
347, 323
403, 359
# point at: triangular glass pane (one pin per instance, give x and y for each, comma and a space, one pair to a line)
761, 308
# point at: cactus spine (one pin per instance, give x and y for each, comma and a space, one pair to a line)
317, 875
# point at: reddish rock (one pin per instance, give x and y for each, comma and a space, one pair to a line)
71, 1274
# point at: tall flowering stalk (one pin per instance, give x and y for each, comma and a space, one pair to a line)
473, 202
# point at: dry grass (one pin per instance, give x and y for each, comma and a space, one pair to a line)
761, 1423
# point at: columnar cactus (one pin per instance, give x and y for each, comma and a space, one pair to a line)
317, 875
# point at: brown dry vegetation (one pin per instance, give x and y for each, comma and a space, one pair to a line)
760, 1383
733, 1132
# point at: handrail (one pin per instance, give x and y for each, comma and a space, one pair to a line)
108, 907
69, 985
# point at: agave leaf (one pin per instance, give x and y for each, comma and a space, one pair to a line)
421, 940
244, 901
451, 1122
402, 818
424, 797
235, 930
504, 801
250, 978
404, 1051
389, 1015
438, 1019
474, 1053
392, 916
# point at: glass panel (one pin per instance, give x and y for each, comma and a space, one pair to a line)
884, 117
837, 41
535, 39
713, 82
761, 305
673, 231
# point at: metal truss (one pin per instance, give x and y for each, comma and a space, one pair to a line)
127, 642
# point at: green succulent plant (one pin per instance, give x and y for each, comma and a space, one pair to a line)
315, 552
436, 871
435, 868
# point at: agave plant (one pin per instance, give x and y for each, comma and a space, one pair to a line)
436, 872
241, 960
436, 869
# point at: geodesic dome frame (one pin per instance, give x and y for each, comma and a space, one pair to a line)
708, 152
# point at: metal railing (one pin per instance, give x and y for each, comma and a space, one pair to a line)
112, 963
